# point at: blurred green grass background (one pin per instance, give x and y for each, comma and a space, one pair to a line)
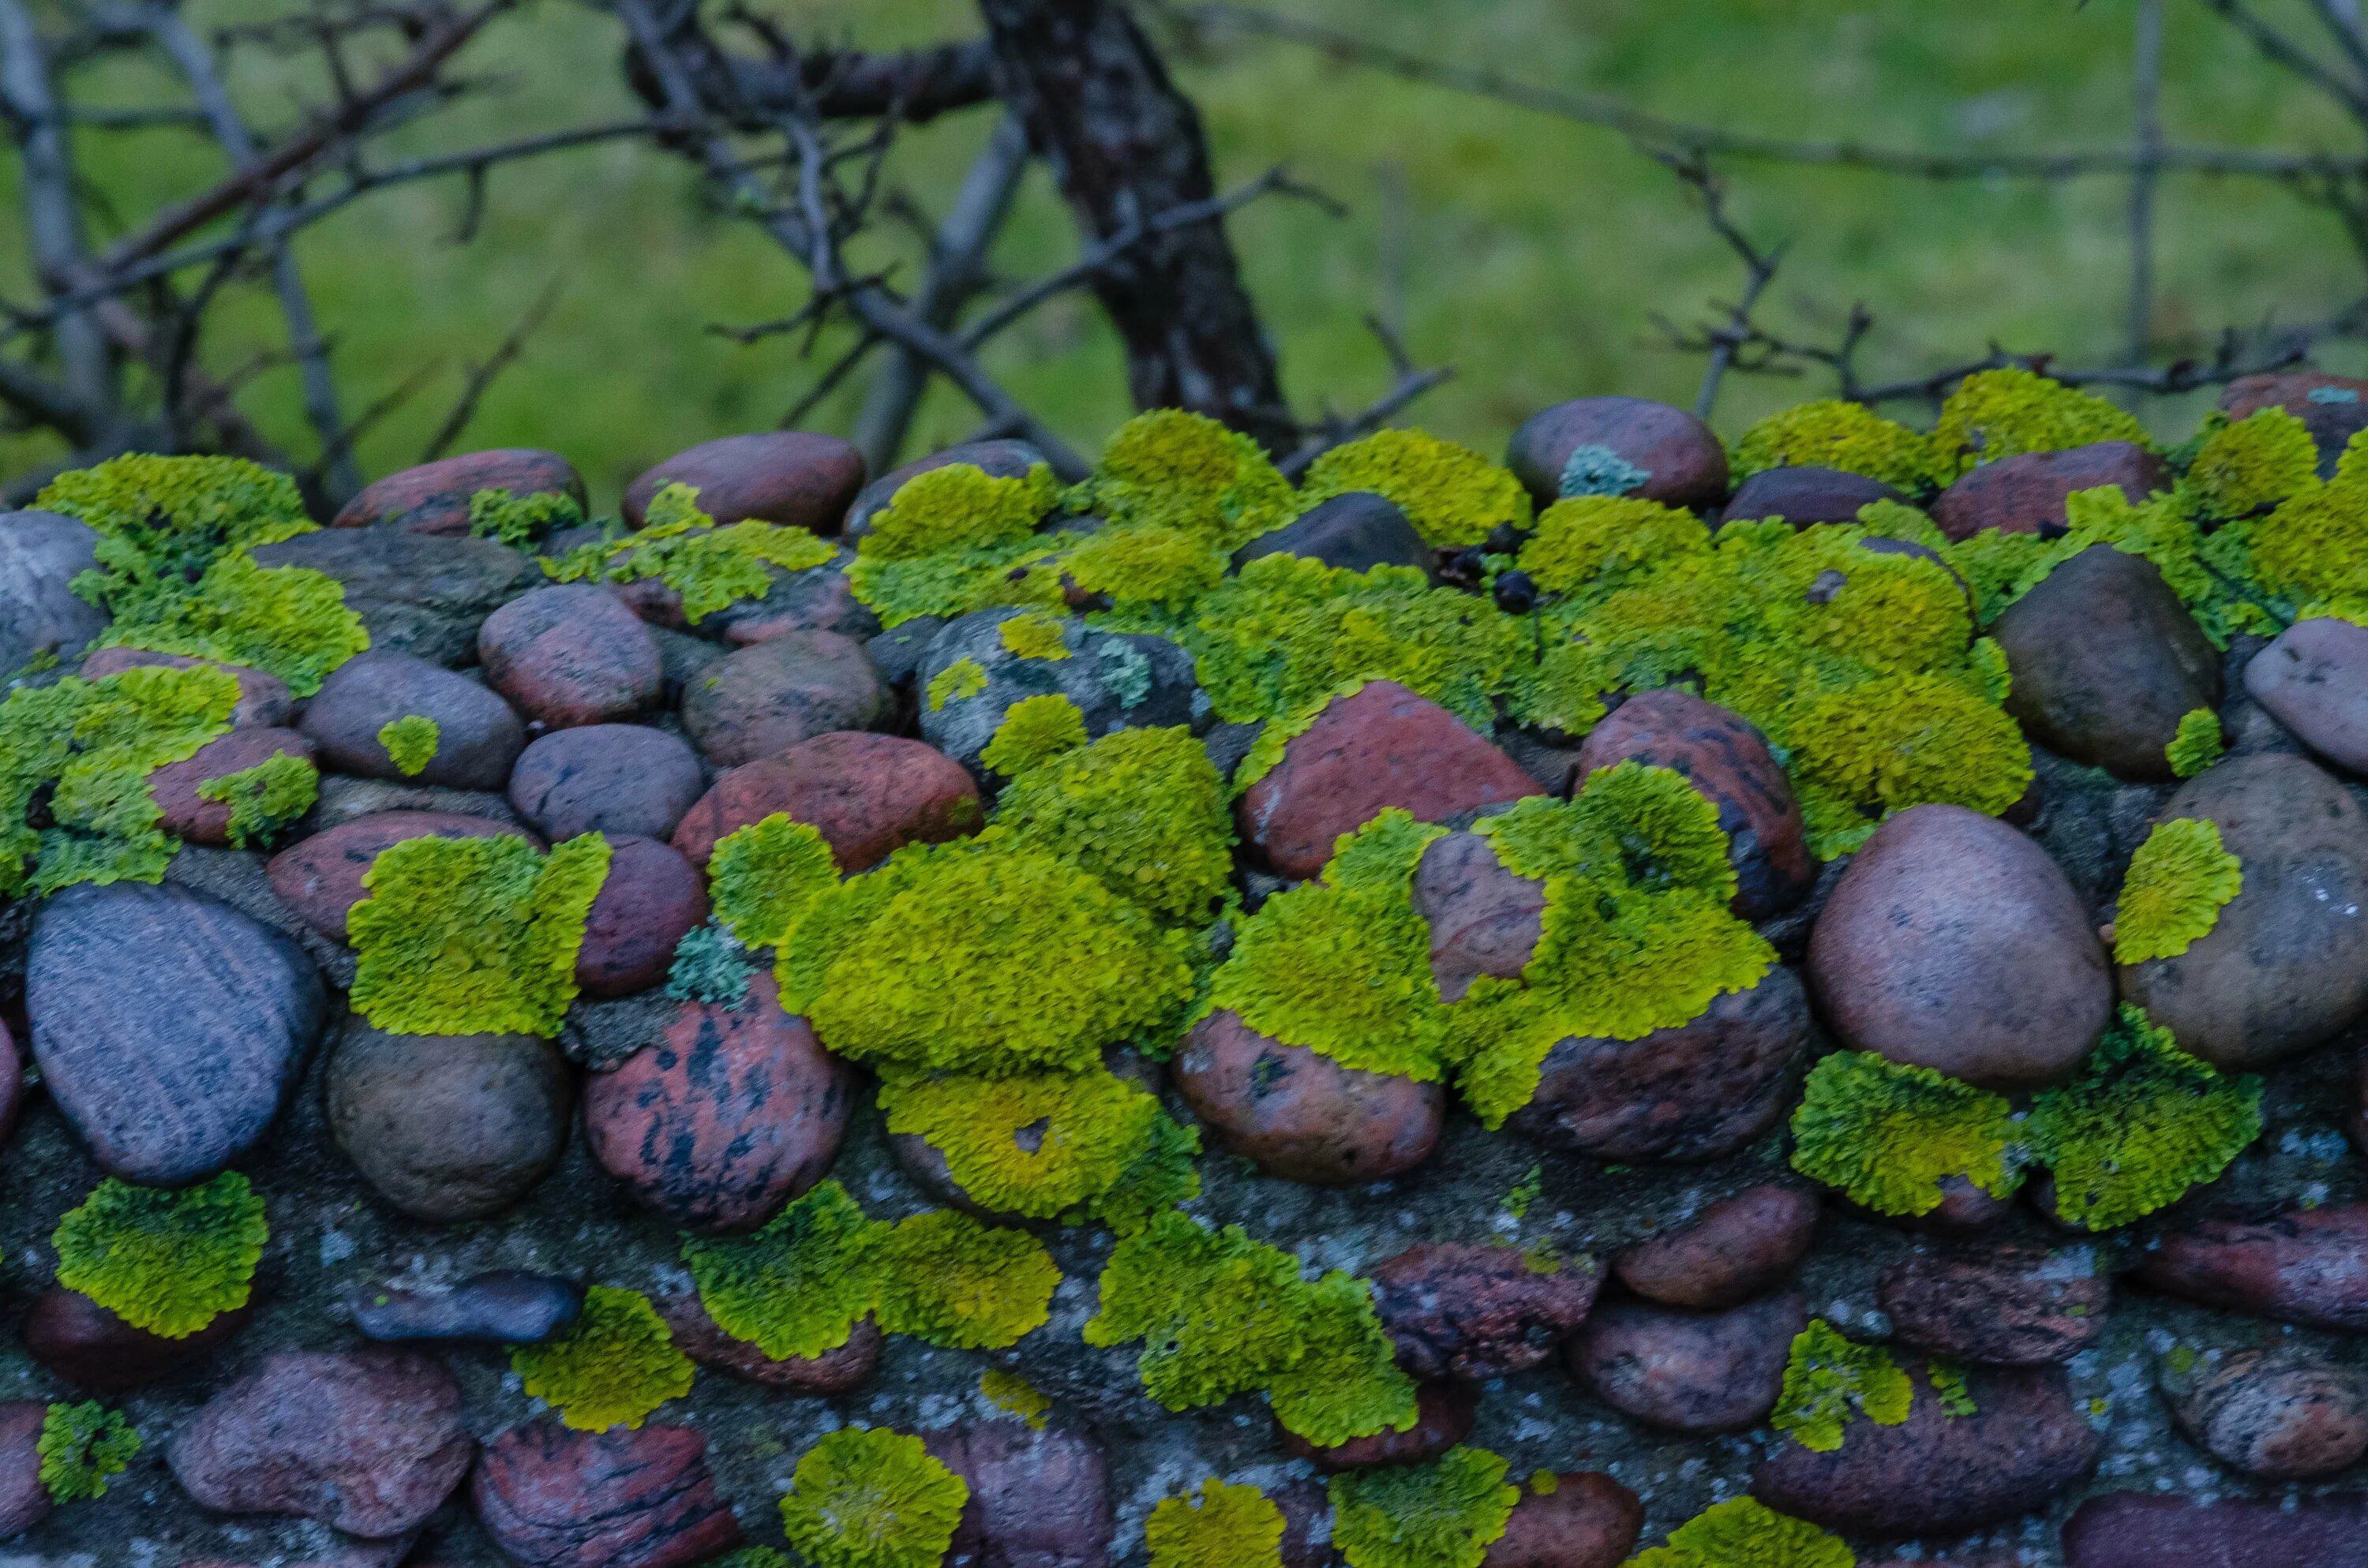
1528, 252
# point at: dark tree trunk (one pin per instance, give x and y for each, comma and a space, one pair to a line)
1127, 146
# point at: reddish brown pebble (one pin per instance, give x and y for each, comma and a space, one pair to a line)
1805, 497
2303, 1267
91, 1347
2283, 1415
1585, 1520
623, 1498
764, 699
1475, 1311
448, 1127
1038, 1498
191, 816
867, 794
1683, 461
773, 476
2005, 1306
1731, 1251
1381, 746
433, 498
264, 701
2027, 493
571, 654
321, 876
1301, 1116
12, 1083
1444, 1412
2338, 412
1484, 919
736, 1111
24, 1501
1689, 1371
2131, 1529
833, 1371
652, 897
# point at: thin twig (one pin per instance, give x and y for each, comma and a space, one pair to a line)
481, 377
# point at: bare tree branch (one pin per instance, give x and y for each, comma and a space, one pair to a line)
1410, 382
2280, 50
917, 85
481, 377
52, 220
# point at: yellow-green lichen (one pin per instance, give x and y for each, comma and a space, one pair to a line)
1828, 1380
2000, 414
613, 1366
1743, 1532
410, 743
867, 1497
1015, 1396
2309, 555
2179, 881
765, 876
1144, 810
522, 520
1220, 1314
1031, 634
958, 538
1167, 468
2197, 745
178, 513
1833, 434
1948, 1389
1146, 567
711, 565
964, 678
1033, 729
948, 1279
1439, 1515
288, 621
1888, 1135
2252, 464
1221, 1526
2142, 1124
1599, 543
474, 935
80, 1446
265, 799
167, 1262
1453, 495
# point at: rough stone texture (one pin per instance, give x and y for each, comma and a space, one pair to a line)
773, 476
478, 737
1484, 919
766, 699
1355, 532
192, 817
92, 1349
2332, 422
1383, 746
2306, 1266
2282, 1414
833, 1372
1475, 1311
818, 599
1443, 1416
1696, 1092
1117, 682
41, 554
1689, 1371
321, 876
2286, 966
2106, 661
1731, 1251
168, 1028
12, 1082
571, 654
736, 1111
2314, 680
552, 1498
1686, 460
1037, 1499
264, 701
415, 594
345, 799
2026, 493
2010, 1307
1589, 1520
620, 778
2131, 1529
1937, 1475
651, 899
1954, 942
24, 1501
433, 498
508, 1306
1301, 1116
1805, 497
1726, 760
369, 1441
869, 795
448, 1127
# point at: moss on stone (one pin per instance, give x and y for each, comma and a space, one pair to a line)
946, 1278
2001, 413
1743, 1532
1439, 1515
1015, 1396
2179, 881
81, 1446
1145, 810
958, 538
1033, 635
2252, 464
1888, 1135
520, 521
410, 743
711, 565
867, 1497
798, 1287
169, 1262
765, 877
266, 799
2197, 745
1167, 468
288, 621
1599, 543
1861, 756
1221, 1526
1146, 567
474, 935
613, 1366
1830, 1380
1453, 495
962, 679
1034, 728
1846, 435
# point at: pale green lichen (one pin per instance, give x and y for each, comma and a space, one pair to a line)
1833, 434
711, 565
1453, 495
266, 799
2143, 1124
80, 1446
1592, 470
1828, 1380
1999, 414
1948, 1389
867, 1497
1031, 634
710, 965
1144, 810
763, 877
1888, 1135
520, 522
612, 1366
1221, 1526
1034, 728
167, 1262
1015, 1396
1439, 1515
474, 935
964, 678
2179, 881
1220, 1314
2197, 745
1743, 1532
410, 743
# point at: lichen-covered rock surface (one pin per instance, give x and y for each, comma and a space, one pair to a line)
1441, 1015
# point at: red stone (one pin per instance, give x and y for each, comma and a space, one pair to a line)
774, 476
24, 1501
1379, 747
2306, 1266
833, 1371
1444, 1412
1687, 1371
2331, 418
868, 794
652, 897
190, 815
1477, 1310
766, 699
12, 1083
571, 654
321, 878
264, 701
624, 1498
1038, 1498
1301, 1116
2026, 493
433, 498
1686, 461
91, 1347
1731, 1251
1589, 1520
2132, 1529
